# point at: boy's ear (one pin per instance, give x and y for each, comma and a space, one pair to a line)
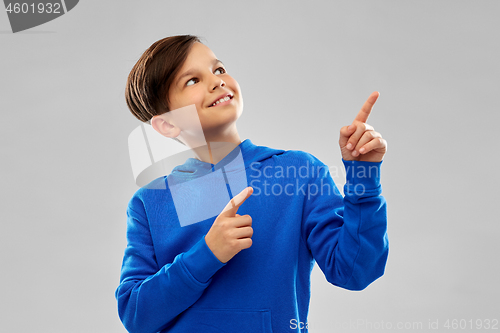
165, 127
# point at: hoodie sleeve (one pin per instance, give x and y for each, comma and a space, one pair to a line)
348, 236
150, 297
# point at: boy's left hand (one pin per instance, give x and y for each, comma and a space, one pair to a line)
359, 141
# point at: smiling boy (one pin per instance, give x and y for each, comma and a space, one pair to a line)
248, 272
218, 121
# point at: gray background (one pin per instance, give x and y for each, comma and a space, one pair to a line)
305, 69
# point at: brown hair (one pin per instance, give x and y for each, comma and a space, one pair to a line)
149, 81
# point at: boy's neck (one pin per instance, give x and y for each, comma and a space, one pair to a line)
213, 148
214, 152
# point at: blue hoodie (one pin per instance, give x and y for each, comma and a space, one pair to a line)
172, 282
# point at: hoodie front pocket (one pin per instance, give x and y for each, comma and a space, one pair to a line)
223, 321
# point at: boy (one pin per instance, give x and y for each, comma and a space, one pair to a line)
248, 272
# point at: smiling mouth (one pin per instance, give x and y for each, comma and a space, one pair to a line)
222, 100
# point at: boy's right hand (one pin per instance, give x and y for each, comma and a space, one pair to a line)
231, 232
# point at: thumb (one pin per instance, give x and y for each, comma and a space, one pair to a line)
235, 203
345, 134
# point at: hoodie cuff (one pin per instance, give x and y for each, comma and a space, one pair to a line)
362, 178
201, 262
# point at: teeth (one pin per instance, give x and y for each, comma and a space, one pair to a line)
227, 98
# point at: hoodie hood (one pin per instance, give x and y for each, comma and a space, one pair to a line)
209, 187
239, 159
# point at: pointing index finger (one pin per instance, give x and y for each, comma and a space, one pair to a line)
366, 109
235, 203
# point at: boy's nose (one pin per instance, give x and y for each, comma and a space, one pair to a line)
220, 84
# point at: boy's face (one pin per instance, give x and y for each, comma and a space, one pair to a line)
206, 82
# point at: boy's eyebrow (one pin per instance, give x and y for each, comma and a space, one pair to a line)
214, 62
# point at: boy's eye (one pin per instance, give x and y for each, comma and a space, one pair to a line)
222, 70
194, 80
